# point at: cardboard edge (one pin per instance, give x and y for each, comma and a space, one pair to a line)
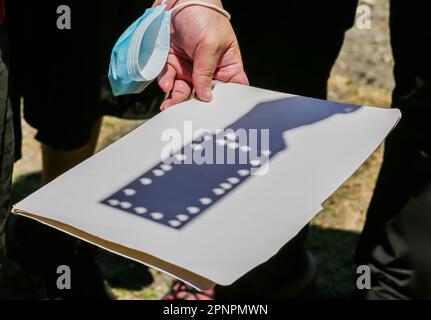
199, 282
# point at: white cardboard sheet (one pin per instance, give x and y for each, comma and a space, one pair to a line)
317, 146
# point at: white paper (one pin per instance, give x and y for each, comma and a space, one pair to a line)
248, 225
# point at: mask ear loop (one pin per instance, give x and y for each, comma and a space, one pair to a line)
202, 4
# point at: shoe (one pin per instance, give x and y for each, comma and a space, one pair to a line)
182, 291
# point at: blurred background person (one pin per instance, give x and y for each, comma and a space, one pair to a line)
61, 76
7, 149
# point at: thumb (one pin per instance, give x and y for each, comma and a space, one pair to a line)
205, 61
157, 3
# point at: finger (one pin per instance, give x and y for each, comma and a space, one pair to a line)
167, 78
230, 68
240, 78
183, 68
233, 74
206, 60
181, 92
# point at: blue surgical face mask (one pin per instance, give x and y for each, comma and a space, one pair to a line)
141, 52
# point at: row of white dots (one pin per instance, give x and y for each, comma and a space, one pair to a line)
224, 186
163, 168
147, 181
229, 136
221, 142
191, 210
158, 215
235, 145
198, 147
138, 210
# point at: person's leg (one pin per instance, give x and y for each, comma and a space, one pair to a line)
420, 242
65, 107
62, 103
79, 256
7, 151
406, 167
57, 162
6, 166
383, 244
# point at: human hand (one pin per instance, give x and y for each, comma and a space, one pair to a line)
203, 48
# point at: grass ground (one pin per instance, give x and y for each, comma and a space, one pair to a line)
362, 75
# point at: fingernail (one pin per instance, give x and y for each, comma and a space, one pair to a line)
167, 86
207, 94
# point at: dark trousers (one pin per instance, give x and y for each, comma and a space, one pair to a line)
63, 100
398, 228
293, 50
6, 148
